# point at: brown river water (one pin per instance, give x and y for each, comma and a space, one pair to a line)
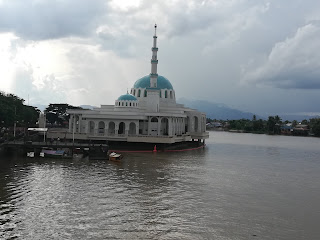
241, 186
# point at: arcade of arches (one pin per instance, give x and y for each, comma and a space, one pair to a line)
153, 126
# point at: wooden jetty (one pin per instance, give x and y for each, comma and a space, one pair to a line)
26, 146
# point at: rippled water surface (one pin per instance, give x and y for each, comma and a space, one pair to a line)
241, 186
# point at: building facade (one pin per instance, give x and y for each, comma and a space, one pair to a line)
149, 113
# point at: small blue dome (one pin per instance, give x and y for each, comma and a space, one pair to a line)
144, 82
127, 97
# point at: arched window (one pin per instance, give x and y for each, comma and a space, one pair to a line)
101, 127
154, 119
91, 127
111, 127
122, 104
122, 128
196, 124
164, 126
126, 104
145, 93
171, 94
130, 104
134, 92
132, 128
139, 93
166, 94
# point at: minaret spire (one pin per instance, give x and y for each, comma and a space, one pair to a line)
154, 61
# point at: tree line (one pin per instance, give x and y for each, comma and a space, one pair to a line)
13, 110
56, 114
273, 125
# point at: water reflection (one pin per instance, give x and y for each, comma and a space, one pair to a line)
229, 190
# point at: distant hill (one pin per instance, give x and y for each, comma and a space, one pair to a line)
87, 107
216, 110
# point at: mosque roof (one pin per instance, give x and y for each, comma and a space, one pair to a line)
127, 97
144, 82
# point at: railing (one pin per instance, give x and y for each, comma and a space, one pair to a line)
113, 135
151, 136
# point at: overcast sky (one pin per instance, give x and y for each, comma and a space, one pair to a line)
255, 55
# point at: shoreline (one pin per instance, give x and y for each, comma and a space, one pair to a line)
243, 131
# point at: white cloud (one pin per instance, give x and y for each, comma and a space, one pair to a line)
90, 52
292, 63
42, 19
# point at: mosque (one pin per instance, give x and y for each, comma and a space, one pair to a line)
148, 114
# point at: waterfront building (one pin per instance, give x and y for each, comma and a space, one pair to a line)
149, 114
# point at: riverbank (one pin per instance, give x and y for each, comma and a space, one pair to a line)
304, 134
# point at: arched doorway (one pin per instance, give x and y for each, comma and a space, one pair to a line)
132, 128
187, 122
112, 127
91, 127
196, 124
164, 126
122, 128
154, 126
101, 127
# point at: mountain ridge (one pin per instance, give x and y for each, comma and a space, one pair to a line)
217, 110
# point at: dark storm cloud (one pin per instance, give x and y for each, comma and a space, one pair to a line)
40, 20
292, 63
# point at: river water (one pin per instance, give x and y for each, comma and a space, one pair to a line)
241, 186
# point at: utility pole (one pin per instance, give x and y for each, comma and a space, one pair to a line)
73, 128
14, 122
44, 126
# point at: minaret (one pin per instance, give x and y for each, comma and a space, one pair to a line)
154, 61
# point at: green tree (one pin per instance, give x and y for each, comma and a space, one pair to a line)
294, 123
271, 124
277, 125
12, 109
315, 126
56, 113
258, 125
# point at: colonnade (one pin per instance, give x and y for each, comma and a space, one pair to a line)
153, 126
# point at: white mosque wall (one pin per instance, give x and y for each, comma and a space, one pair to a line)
121, 125
152, 101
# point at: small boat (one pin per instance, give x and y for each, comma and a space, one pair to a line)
49, 152
77, 153
116, 157
30, 154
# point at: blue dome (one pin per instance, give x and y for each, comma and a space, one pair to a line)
127, 97
144, 82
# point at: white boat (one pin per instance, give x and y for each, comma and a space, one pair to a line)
116, 157
30, 154
52, 153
